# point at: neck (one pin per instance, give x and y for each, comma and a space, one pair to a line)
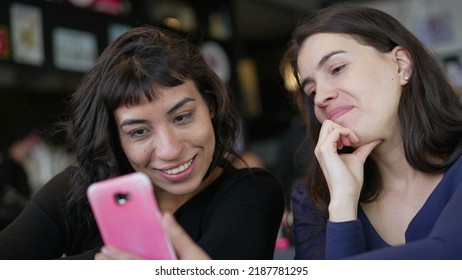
396, 171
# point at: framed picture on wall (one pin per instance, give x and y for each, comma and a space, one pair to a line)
4, 43
436, 28
453, 66
27, 34
217, 58
114, 30
74, 50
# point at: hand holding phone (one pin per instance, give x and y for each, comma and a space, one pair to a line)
128, 216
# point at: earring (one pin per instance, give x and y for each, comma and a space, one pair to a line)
406, 78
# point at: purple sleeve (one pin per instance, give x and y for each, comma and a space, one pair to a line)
344, 239
309, 227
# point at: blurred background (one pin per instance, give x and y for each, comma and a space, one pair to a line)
47, 46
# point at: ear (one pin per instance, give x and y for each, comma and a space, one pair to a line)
404, 63
212, 112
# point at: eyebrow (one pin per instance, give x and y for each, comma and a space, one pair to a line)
323, 60
175, 107
179, 104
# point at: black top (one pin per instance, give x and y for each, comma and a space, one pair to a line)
236, 217
13, 173
14, 189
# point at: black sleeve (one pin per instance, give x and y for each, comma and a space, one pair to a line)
245, 219
38, 232
32, 235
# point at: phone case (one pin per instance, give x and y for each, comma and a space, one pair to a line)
128, 216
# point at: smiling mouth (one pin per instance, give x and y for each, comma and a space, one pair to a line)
179, 169
337, 113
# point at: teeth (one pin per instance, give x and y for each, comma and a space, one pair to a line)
178, 169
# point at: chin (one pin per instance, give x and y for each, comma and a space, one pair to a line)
179, 190
187, 188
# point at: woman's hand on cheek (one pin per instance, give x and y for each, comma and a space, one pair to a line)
344, 173
111, 253
332, 138
185, 247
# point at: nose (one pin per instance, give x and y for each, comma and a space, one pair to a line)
325, 93
168, 145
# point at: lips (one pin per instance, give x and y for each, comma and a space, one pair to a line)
336, 113
179, 169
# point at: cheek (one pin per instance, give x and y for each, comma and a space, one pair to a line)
203, 129
212, 142
136, 154
210, 148
320, 114
207, 137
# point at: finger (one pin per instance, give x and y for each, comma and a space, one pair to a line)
100, 256
326, 127
346, 136
184, 246
334, 137
112, 253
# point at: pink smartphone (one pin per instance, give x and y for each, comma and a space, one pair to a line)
128, 216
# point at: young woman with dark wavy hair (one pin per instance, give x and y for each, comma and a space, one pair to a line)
151, 104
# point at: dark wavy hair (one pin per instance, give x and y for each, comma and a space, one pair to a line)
430, 110
136, 65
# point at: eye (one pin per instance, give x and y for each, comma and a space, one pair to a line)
182, 118
310, 92
138, 133
338, 69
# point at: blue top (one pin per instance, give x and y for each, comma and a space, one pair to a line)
434, 233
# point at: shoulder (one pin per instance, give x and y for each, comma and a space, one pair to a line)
52, 195
251, 178
57, 184
452, 179
249, 184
